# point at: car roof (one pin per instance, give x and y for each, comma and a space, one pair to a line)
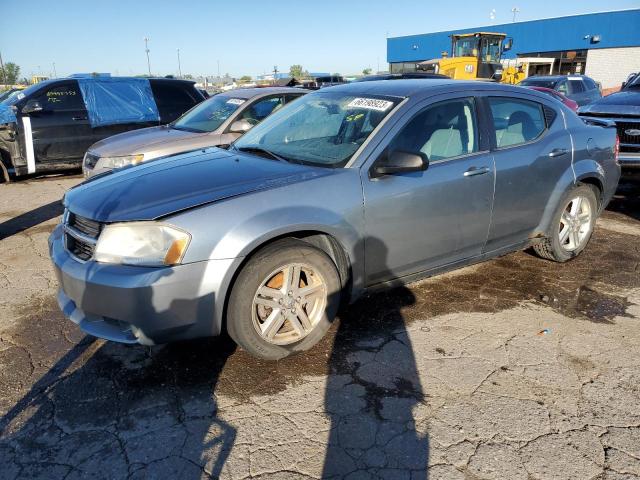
247, 93
418, 87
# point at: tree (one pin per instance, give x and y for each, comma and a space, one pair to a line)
10, 73
296, 71
366, 71
245, 79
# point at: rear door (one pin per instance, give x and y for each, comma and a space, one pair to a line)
532, 151
61, 131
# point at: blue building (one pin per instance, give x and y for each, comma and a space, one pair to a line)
605, 46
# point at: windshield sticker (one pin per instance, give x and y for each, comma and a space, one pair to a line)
20, 96
235, 101
574, 78
370, 104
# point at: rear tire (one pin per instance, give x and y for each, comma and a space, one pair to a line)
283, 300
572, 225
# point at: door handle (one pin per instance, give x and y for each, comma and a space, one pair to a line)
77, 119
558, 152
473, 171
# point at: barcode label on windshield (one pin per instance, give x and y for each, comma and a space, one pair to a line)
235, 101
371, 104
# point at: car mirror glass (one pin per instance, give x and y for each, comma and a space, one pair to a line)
240, 126
32, 106
398, 161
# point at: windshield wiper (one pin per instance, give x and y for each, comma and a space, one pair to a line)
262, 152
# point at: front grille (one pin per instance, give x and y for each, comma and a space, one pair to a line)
80, 249
622, 128
84, 225
81, 235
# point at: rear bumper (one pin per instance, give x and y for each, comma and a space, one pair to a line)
139, 304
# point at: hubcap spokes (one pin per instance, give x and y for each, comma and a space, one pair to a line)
575, 224
289, 303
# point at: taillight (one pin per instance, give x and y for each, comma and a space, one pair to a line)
616, 150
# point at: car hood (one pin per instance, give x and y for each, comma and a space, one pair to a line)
142, 141
626, 102
166, 186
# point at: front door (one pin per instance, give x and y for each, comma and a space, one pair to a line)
61, 131
421, 220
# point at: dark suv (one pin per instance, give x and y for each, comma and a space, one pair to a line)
623, 108
579, 88
50, 125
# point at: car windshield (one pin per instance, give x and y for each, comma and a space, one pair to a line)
539, 82
323, 129
208, 115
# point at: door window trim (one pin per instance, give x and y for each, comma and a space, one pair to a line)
483, 141
492, 127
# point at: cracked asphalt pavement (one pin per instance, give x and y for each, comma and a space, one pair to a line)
517, 368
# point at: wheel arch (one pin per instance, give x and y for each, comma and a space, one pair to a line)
321, 239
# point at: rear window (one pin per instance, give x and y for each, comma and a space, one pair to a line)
590, 84
539, 82
576, 85
516, 121
171, 94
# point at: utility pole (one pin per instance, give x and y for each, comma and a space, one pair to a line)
515, 11
4, 73
55, 74
179, 68
146, 49
218, 61
275, 73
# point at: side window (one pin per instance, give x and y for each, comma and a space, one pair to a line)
261, 109
516, 121
440, 131
562, 87
589, 84
290, 97
576, 86
168, 95
62, 97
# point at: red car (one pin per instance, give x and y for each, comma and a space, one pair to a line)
558, 96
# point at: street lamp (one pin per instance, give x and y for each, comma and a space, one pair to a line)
515, 11
146, 49
179, 68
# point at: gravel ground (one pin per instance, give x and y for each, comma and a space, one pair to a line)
517, 368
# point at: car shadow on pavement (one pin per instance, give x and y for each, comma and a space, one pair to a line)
30, 219
373, 389
626, 200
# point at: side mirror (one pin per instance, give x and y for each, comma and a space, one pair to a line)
240, 126
508, 44
32, 106
398, 161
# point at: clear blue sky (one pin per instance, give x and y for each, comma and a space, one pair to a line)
247, 37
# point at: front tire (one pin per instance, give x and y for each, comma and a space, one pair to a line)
283, 300
572, 225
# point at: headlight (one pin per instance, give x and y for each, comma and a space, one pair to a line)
119, 162
148, 244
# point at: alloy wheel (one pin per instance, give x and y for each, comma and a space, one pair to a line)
575, 224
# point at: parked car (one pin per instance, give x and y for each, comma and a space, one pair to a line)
558, 96
579, 88
11, 92
216, 122
50, 125
354, 187
623, 108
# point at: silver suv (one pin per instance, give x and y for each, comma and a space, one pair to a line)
217, 121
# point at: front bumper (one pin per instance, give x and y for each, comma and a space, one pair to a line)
143, 305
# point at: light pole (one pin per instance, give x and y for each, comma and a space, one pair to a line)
179, 68
55, 74
146, 49
4, 73
515, 11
